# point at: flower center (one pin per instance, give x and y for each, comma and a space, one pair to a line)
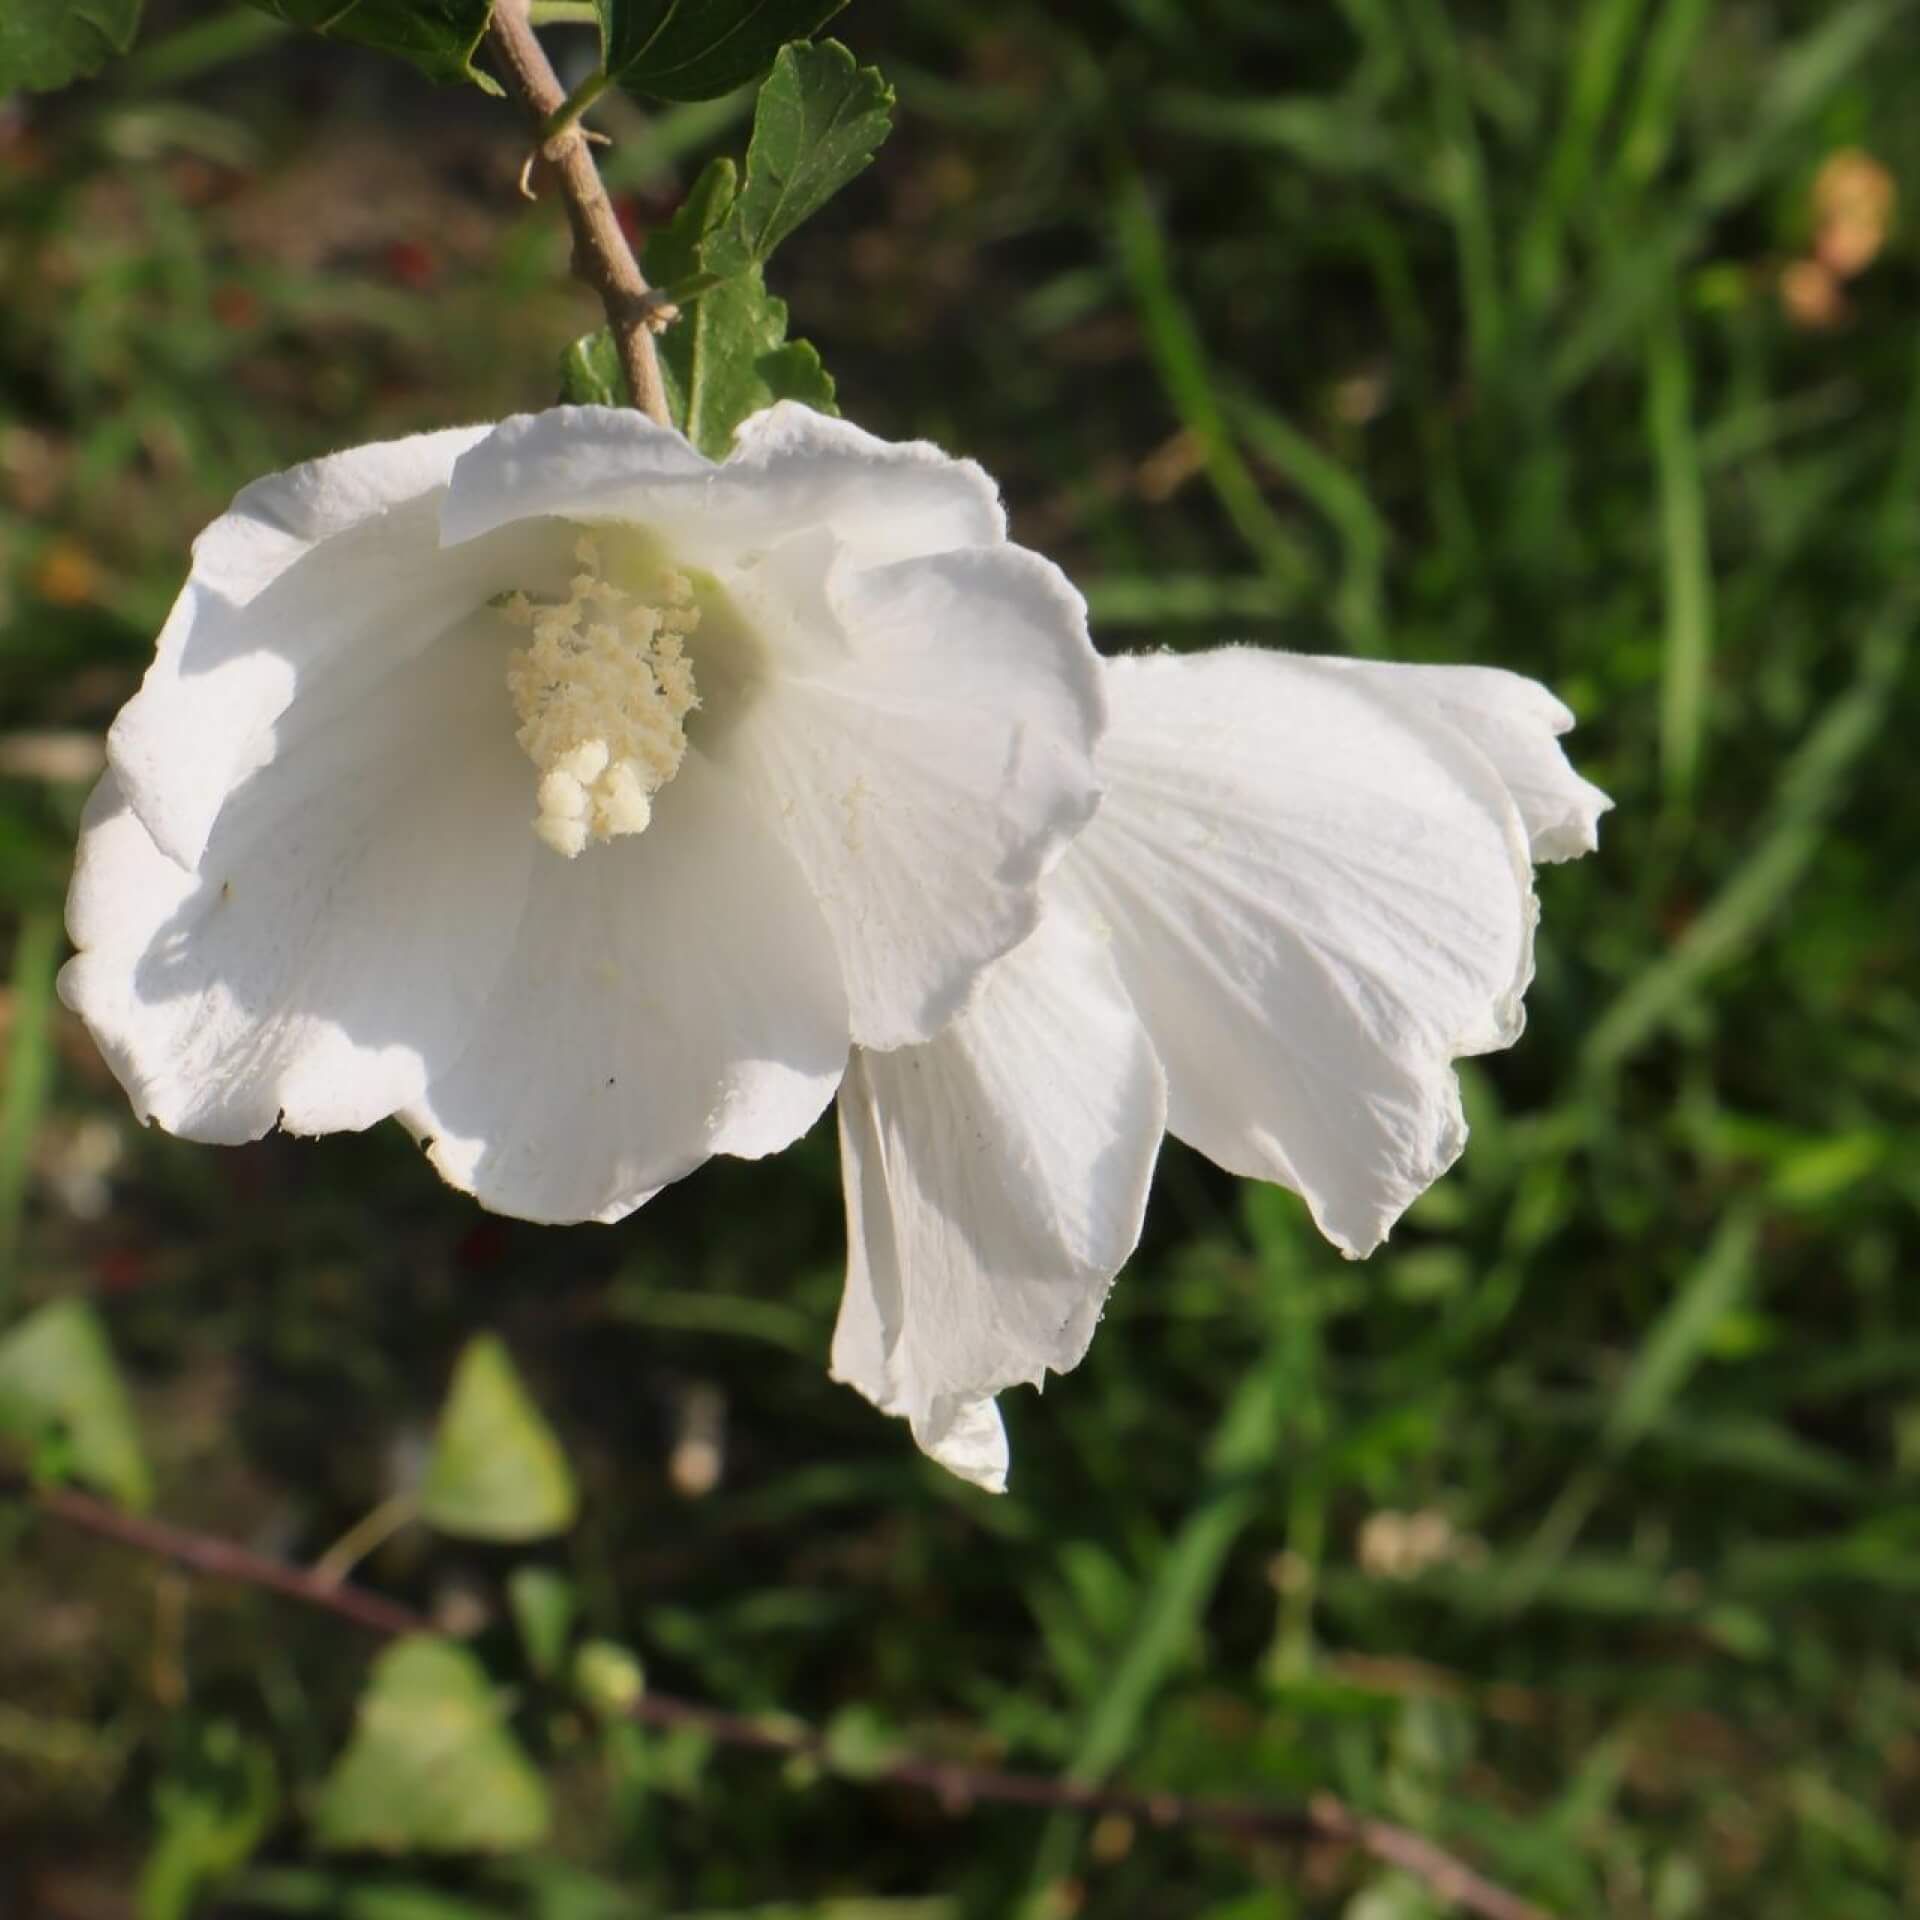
602, 693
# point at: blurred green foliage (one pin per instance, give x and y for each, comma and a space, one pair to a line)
1581, 1527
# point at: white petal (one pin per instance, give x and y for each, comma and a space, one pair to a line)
316, 584
1515, 723
886, 500
971, 1441
927, 778
347, 919
790, 468
1315, 906
996, 1181
670, 995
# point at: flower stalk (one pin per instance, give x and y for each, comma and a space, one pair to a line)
601, 255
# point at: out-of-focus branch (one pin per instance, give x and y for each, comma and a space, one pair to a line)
955, 1785
218, 1559
601, 255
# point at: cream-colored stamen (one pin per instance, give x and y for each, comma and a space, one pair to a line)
602, 695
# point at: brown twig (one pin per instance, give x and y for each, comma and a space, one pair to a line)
956, 1785
601, 255
218, 1559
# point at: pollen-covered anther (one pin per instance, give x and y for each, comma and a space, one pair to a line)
602, 695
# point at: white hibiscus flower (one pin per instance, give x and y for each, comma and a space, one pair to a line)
575, 799
1307, 891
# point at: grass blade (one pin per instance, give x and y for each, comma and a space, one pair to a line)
1688, 567
1811, 787
1180, 357
36, 957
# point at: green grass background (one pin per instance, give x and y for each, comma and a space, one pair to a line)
1449, 332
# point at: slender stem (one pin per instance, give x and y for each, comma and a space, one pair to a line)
574, 105
370, 1531
601, 256
956, 1786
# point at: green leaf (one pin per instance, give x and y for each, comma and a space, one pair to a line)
608, 1679
816, 125
860, 1743
430, 1767
497, 1471
674, 251
696, 49
729, 356
59, 1386
212, 1808
590, 372
46, 43
1677, 1341
555, 1890
438, 36
543, 1604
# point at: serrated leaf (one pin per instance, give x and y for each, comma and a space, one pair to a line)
697, 49
431, 1767
58, 1382
816, 125
728, 356
438, 36
794, 371
46, 43
497, 1471
674, 251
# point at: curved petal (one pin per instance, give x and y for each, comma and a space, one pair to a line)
348, 917
996, 1181
1515, 723
886, 500
670, 995
928, 777
1315, 906
791, 467
315, 585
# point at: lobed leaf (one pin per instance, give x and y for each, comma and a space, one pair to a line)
816, 124
437, 36
729, 356
696, 49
